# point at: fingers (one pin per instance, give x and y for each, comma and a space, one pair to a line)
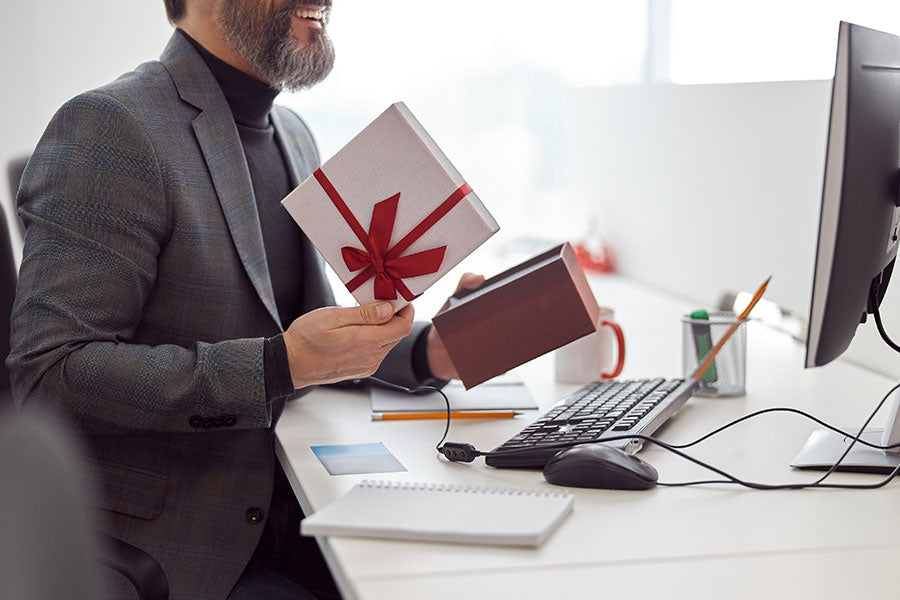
469, 281
333, 344
374, 328
439, 361
407, 313
374, 313
397, 328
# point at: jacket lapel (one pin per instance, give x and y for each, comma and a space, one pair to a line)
224, 155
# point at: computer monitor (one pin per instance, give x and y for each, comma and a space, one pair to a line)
858, 220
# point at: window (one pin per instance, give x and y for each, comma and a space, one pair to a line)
487, 81
492, 82
712, 41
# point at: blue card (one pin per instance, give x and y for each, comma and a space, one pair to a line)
352, 459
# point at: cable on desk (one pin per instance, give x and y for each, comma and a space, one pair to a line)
786, 409
464, 452
820, 480
468, 453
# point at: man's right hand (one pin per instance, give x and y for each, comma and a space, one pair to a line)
333, 344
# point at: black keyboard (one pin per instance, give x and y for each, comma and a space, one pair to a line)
596, 411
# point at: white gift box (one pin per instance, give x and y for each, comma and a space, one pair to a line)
391, 165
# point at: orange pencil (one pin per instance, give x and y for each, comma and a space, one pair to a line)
712, 353
409, 416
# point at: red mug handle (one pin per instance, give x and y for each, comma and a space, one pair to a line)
620, 339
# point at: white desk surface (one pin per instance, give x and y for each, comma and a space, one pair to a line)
698, 542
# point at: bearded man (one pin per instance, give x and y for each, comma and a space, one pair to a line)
168, 306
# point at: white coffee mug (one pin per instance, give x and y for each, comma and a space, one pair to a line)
598, 355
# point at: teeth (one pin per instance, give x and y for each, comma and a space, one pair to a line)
308, 13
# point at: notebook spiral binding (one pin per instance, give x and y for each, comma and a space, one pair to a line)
468, 489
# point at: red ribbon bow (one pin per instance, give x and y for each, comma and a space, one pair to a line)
386, 265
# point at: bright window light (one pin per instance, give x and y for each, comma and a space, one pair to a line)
766, 40
488, 84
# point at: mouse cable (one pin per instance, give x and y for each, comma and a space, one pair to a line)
464, 452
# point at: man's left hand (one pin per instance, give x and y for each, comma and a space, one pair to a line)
438, 360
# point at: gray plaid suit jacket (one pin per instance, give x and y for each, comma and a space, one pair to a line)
143, 301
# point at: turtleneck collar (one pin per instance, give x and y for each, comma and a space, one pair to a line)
250, 99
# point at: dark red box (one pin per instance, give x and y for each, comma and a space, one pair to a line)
520, 314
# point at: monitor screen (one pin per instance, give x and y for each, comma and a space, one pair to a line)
858, 220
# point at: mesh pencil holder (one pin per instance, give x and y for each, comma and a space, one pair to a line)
728, 373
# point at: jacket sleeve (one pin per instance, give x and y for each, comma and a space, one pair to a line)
94, 203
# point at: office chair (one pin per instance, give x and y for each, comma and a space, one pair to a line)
14, 171
48, 548
140, 568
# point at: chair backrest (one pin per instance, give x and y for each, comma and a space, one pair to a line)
47, 545
8, 278
14, 171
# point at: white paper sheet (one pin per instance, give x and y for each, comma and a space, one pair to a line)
506, 392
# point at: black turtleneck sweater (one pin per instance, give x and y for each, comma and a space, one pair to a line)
251, 101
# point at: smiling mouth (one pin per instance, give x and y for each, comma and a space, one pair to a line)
310, 14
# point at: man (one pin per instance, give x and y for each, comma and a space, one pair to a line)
168, 306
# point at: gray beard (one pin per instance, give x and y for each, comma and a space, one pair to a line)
271, 51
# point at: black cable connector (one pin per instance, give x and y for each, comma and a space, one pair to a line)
459, 452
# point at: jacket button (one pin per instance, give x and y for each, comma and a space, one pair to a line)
218, 421
196, 421
255, 515
230, 420
208, 422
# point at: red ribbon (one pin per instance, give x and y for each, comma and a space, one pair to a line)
386, 265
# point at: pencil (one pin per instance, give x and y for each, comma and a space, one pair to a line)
712, 353
409, 416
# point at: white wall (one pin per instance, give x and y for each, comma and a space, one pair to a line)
706, 188
51, 50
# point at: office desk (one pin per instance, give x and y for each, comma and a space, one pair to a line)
698, 542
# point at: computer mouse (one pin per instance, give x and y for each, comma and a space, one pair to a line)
599, 466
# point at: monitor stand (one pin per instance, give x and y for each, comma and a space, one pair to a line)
824, 447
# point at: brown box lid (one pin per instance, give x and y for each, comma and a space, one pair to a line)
535, 307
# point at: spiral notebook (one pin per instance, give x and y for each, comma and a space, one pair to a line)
442, 513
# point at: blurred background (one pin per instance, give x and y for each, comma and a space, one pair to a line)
686, 135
